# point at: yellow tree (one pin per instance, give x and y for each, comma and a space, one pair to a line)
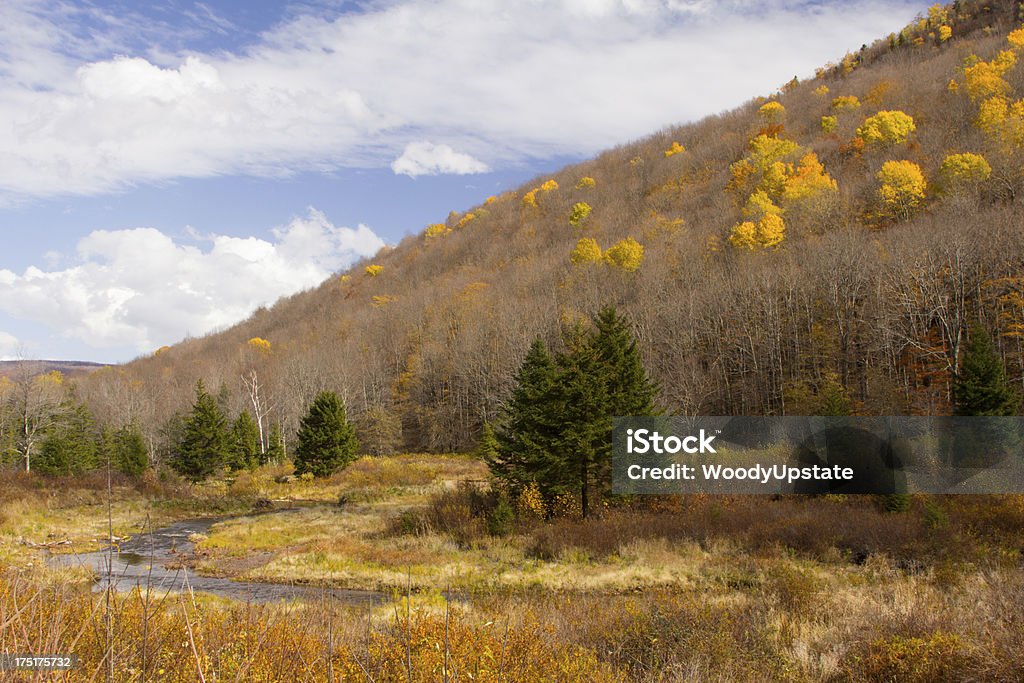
962, 171
887, 128
586, 250
579, 213
902, 188
626, 255
985, 79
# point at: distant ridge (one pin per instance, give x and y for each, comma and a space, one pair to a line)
68, 368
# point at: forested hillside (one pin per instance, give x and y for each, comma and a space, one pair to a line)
835, 240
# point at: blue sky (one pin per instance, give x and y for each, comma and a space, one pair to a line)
166, 168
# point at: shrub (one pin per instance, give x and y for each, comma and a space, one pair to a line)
585, 182
829, 124
501, 520
374, 270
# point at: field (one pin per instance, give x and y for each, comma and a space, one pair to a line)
709, 588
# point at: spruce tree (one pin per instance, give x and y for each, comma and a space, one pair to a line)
70, 446
326, 440
556, 427
245, 442
275, 445
206, 441
630, 391
131, 456
980, 387
528, 423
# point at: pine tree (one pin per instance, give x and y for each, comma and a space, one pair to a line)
980, 387
206, 441
245, 442
326, 440
131, 456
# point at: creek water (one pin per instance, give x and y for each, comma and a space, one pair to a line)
156, 560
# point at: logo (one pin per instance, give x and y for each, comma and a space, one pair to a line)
641, 441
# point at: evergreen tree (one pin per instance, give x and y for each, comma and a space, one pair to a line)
70, 446
131, 456
275, 445
326, 440
582, 449
245, 442
980, 388
528, 426
630, 391
206, 441
556, 427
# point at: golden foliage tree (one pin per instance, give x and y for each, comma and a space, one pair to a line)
902, 188
579, 213
960, 171
586, 250
626, 255
772, 112
845, 103
675, 149
985, 79
887, 128
373, 270
259, 344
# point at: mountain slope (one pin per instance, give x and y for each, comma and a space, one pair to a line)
865, 295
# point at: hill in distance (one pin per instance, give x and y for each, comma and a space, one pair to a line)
68, 368
833, 241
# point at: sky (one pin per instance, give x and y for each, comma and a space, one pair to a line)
167, 168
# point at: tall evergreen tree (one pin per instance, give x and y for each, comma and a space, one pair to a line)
528, 426
326, 440
980, 388
70, 445
630, 391
206, 442
245, 442
275, 445
131, 456
556, 427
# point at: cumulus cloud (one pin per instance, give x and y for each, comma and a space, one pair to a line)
426, 158
140, 288
499, 82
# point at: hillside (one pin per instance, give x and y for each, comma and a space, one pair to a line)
785, 261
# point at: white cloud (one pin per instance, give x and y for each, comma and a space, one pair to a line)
500, 82
426, 158
140, 289
9, 346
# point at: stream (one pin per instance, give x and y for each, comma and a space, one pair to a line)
156, 560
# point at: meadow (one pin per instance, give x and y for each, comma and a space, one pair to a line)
695, 588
